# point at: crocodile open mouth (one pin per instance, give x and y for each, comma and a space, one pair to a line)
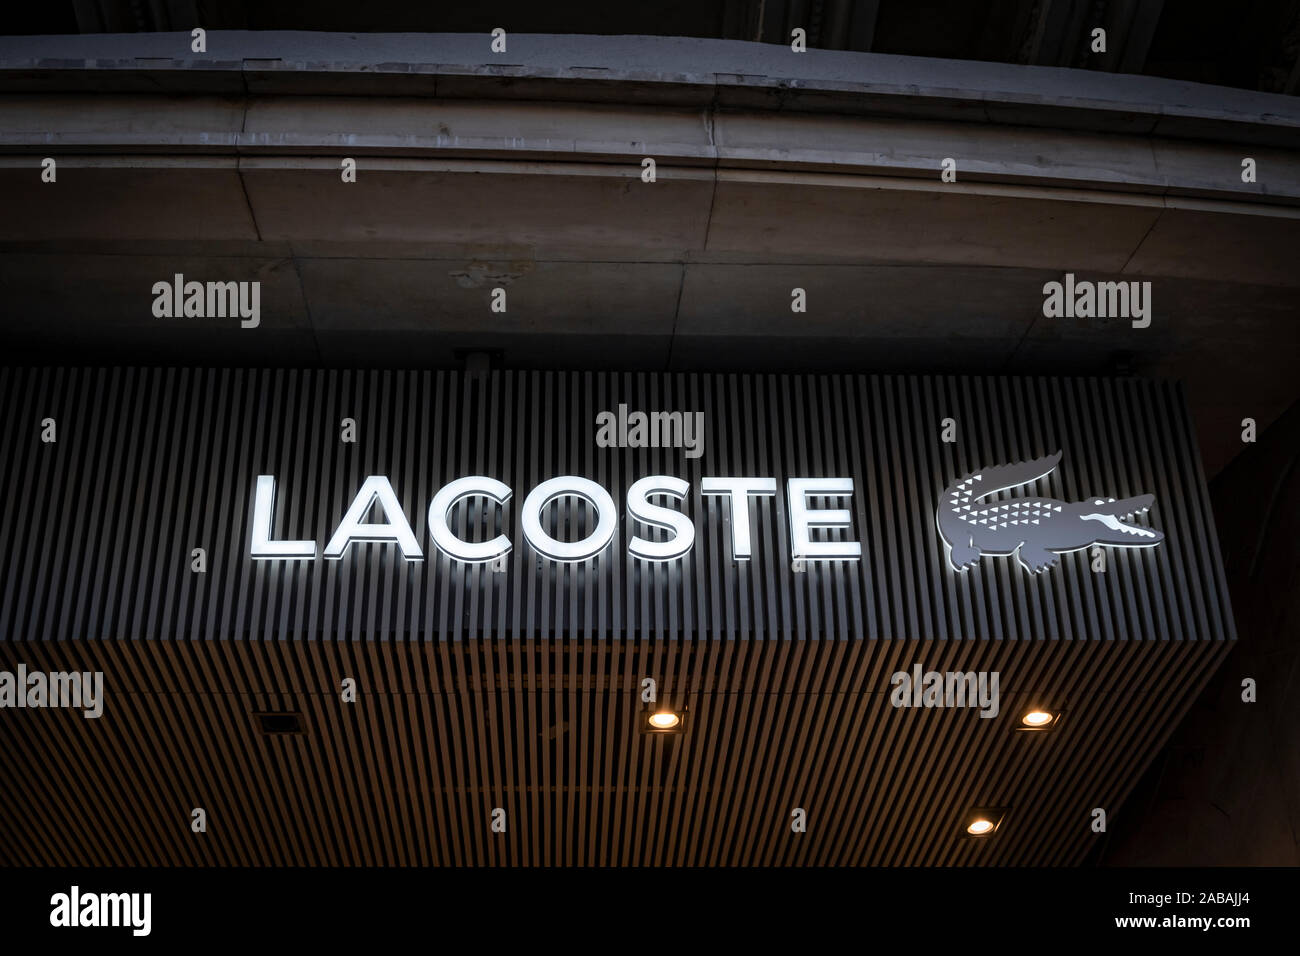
1117, 523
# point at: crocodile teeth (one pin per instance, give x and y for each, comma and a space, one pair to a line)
1140, 532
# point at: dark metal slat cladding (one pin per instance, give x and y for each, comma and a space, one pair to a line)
520, 689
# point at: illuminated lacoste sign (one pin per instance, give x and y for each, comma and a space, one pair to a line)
1036, 530
972, 522
395, 529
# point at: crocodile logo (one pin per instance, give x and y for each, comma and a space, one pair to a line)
1036, 530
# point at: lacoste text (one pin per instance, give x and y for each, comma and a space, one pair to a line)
806, 520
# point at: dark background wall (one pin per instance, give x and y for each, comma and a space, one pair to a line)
1233, 768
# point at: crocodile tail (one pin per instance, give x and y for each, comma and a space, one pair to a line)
988, 481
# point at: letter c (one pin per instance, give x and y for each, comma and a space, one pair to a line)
471, 552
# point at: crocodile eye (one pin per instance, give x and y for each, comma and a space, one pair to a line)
1098, 502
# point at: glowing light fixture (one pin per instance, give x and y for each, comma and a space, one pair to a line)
983, 821
1036, 718
665, 720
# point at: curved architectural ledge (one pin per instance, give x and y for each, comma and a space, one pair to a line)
647, 70
614, 101
389, 127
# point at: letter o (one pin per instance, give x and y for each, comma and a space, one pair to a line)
569, 486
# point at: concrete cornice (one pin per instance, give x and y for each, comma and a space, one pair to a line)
499, 124
662, 71
472, 175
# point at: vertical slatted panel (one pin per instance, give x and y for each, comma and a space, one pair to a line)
520, 689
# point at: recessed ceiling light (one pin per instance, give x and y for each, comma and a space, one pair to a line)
664, 720
982, 822
1037, 718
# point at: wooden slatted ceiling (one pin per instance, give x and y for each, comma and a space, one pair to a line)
520, 690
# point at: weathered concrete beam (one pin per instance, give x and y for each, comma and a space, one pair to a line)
651, 70
602, 211
392, 128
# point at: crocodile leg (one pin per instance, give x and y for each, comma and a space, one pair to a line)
1037, 559
964, 556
